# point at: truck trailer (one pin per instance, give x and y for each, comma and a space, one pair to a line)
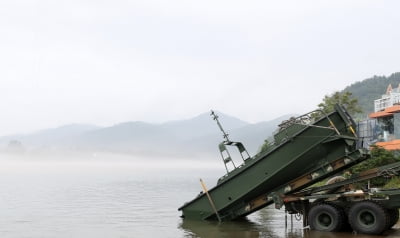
306, 150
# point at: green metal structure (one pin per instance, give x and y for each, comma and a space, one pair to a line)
306, 150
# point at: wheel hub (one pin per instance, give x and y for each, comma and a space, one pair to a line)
367, 218
325, 220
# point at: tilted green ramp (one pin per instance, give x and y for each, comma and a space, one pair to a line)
305, 152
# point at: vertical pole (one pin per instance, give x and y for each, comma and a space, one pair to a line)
305, 215
224, 134
285, 219
291, 221
209, 199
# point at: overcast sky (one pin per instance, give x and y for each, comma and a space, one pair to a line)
105, 62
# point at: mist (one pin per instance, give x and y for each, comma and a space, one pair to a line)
105, 125
196, 138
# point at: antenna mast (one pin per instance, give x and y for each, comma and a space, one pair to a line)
224, 134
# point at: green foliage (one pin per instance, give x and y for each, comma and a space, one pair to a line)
393, 183
266, 146
379, 157
370, 89
344, 98
359, 98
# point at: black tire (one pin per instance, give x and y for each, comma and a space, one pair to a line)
345, 224
393, 217
368, 217
325, 217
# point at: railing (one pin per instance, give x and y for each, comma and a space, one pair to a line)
388, 101
381, 104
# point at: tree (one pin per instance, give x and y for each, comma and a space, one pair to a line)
379, 157
344, 98
15, 146
266, 146
327, 105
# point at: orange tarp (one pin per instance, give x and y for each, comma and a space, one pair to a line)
389, 145
380, 114
395, 108
387, 112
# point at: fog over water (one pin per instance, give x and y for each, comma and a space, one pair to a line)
105, 127
122, 196
87, 198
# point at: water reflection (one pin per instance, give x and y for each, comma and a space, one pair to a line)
243, 228
213, 229
265, 223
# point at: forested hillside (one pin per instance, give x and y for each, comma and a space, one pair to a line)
368, 90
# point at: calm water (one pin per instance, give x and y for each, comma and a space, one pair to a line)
121, 199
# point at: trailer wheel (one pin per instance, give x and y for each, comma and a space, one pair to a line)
393, 216
325, 217
368, 218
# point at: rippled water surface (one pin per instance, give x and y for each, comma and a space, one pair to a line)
122, 199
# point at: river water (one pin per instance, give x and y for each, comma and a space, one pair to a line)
122, 198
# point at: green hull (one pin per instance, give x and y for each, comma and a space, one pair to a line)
300, 149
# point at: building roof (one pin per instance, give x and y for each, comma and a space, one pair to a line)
389, 145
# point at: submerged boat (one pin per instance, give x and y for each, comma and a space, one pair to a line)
305, 150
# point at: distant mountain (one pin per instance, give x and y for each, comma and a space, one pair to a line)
128, 137
254, 135
368, 90
192, 137
202, 125
60, 135
251, 135
198, 135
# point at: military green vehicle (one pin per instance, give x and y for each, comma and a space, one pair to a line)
306, 150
